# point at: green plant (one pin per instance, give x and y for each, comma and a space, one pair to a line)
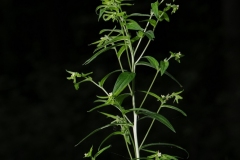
120, 41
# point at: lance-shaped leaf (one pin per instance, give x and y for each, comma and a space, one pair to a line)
175, 108
105, 78
122, 81
102, 150
96, 130
138, 14
120, 51
133, 25
163, 66
155, 8
110, 135
164, 144
76, 85
100, 52
153, 115
150, 34
154, 63
121, 97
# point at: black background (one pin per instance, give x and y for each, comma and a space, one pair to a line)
43, 117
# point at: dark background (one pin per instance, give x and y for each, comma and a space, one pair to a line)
43, 117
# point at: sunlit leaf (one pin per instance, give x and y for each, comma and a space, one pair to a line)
122, 81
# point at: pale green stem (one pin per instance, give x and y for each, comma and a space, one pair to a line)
150, 127
129, 152
100, 87
150, 87
142, 38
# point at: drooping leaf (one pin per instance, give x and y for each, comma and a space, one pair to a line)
160, 118
154, 63
96, 130
133, 25
121, 97
165, 144
138, 14
100, 52
163, 66
150, 34
122, 81
154, 95
110, 30
102, 150
169, 75
142, 63
99, 106
175, 108
153, 115
105, 78
110, 135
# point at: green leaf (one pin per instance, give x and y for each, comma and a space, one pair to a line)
133, 25
111, 30
150, 34
122, 81
121, 97
153, 22
110, 135
153, 115
109, 115
142, 63
154, 95
89, 154
105, 78
175, 108
165, 144
177, 96
165, 16
155, 8
99, 106
138, 14
99, 52
160, 118
154, 63
76, 85
169, 75
102, 150
163, 66
96, 130
120, 51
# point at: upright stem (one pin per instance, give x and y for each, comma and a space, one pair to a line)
135, 135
